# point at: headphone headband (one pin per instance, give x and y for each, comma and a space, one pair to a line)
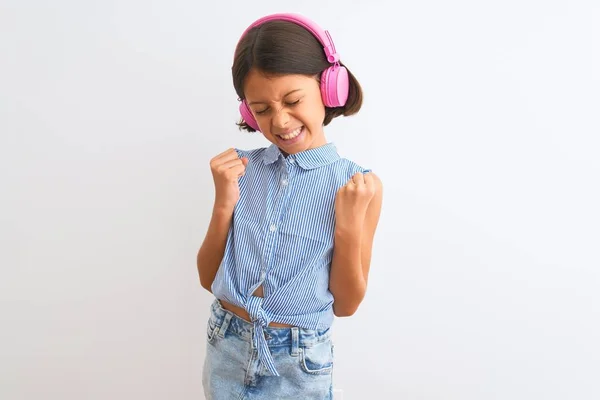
322, 35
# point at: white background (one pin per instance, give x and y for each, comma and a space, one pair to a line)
481, 118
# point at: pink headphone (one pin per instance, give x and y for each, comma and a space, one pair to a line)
334, 80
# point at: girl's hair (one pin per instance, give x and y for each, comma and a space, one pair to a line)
279, 48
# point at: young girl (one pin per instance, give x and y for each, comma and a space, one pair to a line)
289, 243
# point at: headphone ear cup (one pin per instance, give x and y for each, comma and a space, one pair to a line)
247, 116
335, 86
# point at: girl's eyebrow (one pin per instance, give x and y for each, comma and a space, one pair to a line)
263, 102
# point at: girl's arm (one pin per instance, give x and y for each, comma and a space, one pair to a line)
358, 207
226, 169
212, 250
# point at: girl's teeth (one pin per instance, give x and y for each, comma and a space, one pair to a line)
292, 135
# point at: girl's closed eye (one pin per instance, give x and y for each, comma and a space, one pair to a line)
290, 104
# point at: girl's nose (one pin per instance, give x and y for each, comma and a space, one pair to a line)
281, 118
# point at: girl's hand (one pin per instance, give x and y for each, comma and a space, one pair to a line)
352, 201
226, 169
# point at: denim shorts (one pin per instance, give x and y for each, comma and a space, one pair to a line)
303, 358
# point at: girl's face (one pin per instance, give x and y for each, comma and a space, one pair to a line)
288, 109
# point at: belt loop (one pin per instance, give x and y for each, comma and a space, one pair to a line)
295, 341
224, 325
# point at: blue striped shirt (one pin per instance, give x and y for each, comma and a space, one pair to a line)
281, 237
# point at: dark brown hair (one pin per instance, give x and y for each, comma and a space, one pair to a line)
281, 47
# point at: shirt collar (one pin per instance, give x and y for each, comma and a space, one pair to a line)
308, 159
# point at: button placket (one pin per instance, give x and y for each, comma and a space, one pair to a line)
274, 215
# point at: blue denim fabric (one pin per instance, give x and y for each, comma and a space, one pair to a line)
232, 370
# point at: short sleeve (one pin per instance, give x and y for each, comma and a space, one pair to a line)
241, 153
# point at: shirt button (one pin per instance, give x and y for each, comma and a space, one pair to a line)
272, 228
284, 182
292, 161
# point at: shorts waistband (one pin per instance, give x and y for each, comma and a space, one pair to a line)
226, 321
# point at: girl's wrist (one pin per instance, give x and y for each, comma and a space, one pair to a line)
351, 228
222, 210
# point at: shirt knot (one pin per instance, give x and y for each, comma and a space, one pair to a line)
256, 312
261, 320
